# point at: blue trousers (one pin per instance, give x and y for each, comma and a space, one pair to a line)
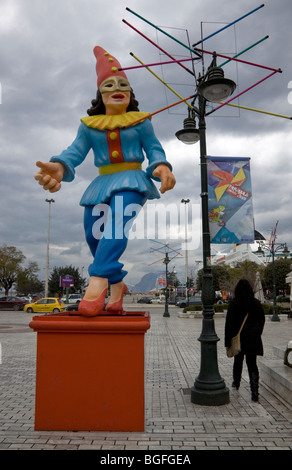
106, 230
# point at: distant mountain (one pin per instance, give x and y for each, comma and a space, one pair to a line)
146, 284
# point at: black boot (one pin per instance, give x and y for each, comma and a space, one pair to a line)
237, 370
254, 386
235, 384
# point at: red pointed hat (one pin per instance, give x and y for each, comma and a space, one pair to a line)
106, 65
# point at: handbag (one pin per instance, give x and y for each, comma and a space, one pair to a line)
235, 347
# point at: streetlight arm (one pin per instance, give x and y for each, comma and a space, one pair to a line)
274, 248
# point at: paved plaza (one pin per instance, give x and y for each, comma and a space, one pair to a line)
172, 422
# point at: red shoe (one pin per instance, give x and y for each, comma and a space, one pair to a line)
117, 306
92, 308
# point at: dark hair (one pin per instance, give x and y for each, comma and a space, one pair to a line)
243, 293
98, 106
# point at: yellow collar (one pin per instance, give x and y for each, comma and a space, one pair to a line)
102, 121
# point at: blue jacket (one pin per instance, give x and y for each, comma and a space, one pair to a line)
93, 133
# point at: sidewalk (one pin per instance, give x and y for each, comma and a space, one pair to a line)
173, 423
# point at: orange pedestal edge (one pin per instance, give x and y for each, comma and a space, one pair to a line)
90, 372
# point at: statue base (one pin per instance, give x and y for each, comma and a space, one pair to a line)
90, 372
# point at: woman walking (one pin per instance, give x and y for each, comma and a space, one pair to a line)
244, 303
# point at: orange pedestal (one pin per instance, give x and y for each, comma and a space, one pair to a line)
90, 372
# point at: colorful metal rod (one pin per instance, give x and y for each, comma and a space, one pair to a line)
176, 61
242, 61
239, 94
159, 29
156, 45
245, 50
160, 79
228, 25
258, 111
160, 110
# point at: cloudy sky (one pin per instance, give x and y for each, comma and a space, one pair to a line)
48, 80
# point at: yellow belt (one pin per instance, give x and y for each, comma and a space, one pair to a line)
116, 167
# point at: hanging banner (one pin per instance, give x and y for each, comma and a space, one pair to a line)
161, 280
230, 208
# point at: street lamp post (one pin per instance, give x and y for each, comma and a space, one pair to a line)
209, 388
48, 248
281, 247
273, 249
185, 202
275, 316
166, 261
174, 283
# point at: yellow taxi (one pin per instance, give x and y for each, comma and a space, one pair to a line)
48, 305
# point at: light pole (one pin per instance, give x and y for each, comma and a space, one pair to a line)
48, 248
209, 388
166, 261
173, 273
272, 248
185, 202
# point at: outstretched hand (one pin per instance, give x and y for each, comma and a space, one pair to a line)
50, 175
166, 177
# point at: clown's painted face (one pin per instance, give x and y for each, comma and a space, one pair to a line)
114, 84
115, 92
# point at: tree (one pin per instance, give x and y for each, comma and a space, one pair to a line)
27, 280
220, 277
282, 268
172, 279
243, 270
10, 266
54, 280
12, 271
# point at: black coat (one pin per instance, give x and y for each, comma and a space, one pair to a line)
250, 338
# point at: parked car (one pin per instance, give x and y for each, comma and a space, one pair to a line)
191, 301
145, 300
26, 299
48, 305
11, 303
283, 298
72, 299
72, 308
158, 300
34, 298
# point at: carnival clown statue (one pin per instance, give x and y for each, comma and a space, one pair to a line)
119, 136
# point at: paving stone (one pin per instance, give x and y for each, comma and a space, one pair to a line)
172, 422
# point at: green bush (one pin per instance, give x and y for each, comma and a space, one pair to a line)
193, 308
220, 307
268, 308
198, 308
